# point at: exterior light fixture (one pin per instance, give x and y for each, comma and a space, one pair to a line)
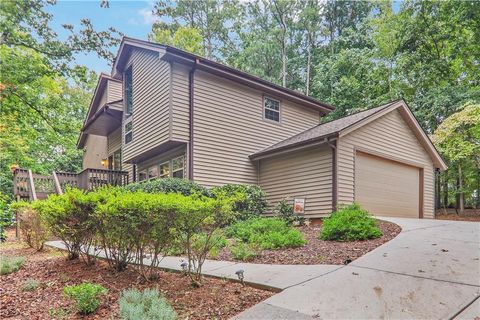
14, 168
104, 162
240, 276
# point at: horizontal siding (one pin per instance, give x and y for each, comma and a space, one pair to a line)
114, 141
151, 81
389, 135
95, 150
229, 126
302, 174
180, 103
114, 91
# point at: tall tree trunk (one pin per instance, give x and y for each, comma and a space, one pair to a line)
445, 190
461, 196
309, 65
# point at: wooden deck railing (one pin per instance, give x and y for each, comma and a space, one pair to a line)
36, 186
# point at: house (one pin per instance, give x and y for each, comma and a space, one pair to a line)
163, 112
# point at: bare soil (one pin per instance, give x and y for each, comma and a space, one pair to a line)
318, 251
457, 217
216, 299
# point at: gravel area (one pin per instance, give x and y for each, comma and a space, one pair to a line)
318, 251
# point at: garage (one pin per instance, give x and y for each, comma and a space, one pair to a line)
387, 188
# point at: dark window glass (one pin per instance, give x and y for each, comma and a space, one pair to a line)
128, 137
128, 132
142, 175
129, 91
272, 109
117, 160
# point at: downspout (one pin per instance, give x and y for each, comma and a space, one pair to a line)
333, 146
191, 76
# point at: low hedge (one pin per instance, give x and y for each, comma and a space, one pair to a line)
350, 223
250, 200
169, 185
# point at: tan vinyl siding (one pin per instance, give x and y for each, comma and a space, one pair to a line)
151, 80
95, 150
180, 103
114, 141
301, 174
114, 91
391, 137
229, 126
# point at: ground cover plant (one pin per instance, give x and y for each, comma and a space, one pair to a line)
350, 223
148, 304
87, 296
10, 264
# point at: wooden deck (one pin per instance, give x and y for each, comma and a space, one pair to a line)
28, 185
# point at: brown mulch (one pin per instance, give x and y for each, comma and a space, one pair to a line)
457, 217
216, 299
318, 251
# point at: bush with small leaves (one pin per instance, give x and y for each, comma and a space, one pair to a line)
10, 264
30, 284
350, 223
86, 296
249, 200
32, 227
284, 210
244, 251
169, 185
146, 305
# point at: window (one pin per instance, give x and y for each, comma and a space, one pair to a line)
271, 109
152, 172
128, 132
128, 91
165, 170
142, 175
115, 160
178, 167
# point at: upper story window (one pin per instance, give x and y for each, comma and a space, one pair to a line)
128, 91
271, 109
128, 132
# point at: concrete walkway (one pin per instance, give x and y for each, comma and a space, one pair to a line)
431, 270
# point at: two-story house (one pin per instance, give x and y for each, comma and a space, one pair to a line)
164, 112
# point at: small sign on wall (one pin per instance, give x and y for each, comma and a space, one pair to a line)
299, 205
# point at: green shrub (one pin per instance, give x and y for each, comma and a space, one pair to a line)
86, 296
244, 251
349, 224
6, 217
10, 264
146, 305
250, 200
284, 210
169, 185
32, 227
268, 233
216, 240
30, 284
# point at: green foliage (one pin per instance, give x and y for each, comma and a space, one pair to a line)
30, 284
215, 242
284, 210
244, 251
185, 38
6, 216
169, 185
146, 305
10, 264
250, 200
349, 224
86, 296
32, 227
268, 233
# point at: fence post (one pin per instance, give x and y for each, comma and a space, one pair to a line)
33, 193
58, 187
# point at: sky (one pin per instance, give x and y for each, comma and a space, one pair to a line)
133, 18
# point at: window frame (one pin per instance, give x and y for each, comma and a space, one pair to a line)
265, 108
144, 171
183, 166
167, 175
128, 91
128, 132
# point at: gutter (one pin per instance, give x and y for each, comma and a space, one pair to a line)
191, 93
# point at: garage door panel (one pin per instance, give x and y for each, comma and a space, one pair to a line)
385, 187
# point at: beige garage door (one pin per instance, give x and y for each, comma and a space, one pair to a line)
385, 187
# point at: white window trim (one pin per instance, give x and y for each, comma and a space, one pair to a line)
264, 107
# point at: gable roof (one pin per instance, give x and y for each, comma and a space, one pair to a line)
174, 54
335, 128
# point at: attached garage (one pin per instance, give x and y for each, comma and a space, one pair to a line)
381, 158
387, 188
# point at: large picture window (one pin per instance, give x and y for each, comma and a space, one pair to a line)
128, 91
271, 109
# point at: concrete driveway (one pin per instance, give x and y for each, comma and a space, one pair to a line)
431, 270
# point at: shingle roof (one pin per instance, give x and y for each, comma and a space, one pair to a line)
322, 130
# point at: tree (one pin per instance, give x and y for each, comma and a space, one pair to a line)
186, 38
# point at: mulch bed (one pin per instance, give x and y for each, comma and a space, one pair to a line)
318, 251
216, 299
457, 217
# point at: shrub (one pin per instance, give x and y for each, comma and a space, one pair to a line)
10, 264
215, 241
32, 226
30, 284
349, 224
6, 217
284, 210
169, 185
268, 233
86, 296
244, 251
146, 305
250, 200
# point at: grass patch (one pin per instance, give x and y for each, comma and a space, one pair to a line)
10, 264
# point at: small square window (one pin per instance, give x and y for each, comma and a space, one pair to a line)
142, 175
178, 165
128, 137
152, 172
272, 109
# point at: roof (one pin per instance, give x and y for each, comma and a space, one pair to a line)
321, 131
185, 57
